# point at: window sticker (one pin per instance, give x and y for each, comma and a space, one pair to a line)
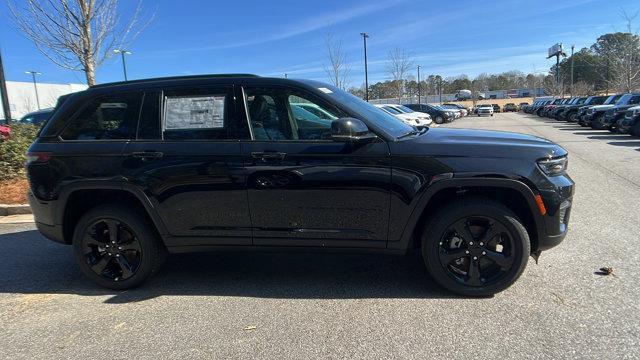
194, 112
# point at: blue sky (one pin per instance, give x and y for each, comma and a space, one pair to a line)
273, 37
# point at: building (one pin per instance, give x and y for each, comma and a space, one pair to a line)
22, 96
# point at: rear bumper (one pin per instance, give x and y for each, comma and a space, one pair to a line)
43, 212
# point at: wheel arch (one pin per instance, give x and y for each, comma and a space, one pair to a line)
514, 194
78, 199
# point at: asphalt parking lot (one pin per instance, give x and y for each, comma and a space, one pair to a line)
242, 305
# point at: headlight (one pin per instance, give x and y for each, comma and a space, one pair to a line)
636, 112
553, 167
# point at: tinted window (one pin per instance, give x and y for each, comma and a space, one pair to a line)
634, 100
286, 114
36, 118
108, 117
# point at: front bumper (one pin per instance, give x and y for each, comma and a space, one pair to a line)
557, 195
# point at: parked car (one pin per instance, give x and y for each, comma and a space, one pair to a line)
611, 116
522, 105
201, 163
595, 111
424, 118
37, 118
630, 123
5, 132
574, 103
544, 110
459, 108
439, 114
496, 108
510, 107
409, 119
575, 113
485, 109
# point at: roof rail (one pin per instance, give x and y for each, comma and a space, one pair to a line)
186, 77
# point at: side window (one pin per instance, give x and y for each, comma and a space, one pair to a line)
634, 100
200, 114
109, 117
285, 114
312, 121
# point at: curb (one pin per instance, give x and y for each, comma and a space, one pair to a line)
6, 210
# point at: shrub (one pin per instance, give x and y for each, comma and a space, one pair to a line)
12, 151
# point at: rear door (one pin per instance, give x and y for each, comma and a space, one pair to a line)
304, 188
186, 157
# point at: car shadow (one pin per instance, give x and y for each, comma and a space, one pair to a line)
31, 264
611, 137
593, 132
625, 143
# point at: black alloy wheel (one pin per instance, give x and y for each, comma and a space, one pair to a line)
475, 247
111, 249
117, 247
476, 251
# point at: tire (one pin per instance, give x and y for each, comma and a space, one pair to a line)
595, 123
439, 120
436, 243
136, 255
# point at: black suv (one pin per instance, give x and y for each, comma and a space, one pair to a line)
128, 172
439, 114
611, 116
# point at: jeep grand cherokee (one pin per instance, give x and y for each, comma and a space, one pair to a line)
129, 172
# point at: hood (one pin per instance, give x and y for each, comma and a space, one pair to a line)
602, 107
478, 143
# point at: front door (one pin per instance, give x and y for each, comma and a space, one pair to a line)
305, 189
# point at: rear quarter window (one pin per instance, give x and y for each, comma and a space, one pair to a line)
106, 117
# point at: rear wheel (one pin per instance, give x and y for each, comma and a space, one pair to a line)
117, 248
439, 120
475, 248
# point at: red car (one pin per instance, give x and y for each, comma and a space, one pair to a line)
5, 132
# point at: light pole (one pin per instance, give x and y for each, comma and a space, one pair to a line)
572, 46
419, 84
35, 86
122, 53
366, 71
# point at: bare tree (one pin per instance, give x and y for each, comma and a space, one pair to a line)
398, 66
76, 34
338, 69
582, 88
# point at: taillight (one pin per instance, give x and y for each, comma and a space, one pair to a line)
37, 157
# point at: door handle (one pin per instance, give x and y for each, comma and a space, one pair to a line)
266, 156
147, 155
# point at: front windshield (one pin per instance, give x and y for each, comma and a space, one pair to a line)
623, 99
612, 99
377, 118
404, 109
392, 110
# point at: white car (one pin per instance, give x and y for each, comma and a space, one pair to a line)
409, 119
484, 109
425, 119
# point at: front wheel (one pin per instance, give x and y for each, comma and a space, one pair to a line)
475, 247
439, 120
117, 248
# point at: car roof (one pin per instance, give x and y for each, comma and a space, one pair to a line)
163, 80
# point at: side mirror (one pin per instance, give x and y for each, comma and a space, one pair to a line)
351, 129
